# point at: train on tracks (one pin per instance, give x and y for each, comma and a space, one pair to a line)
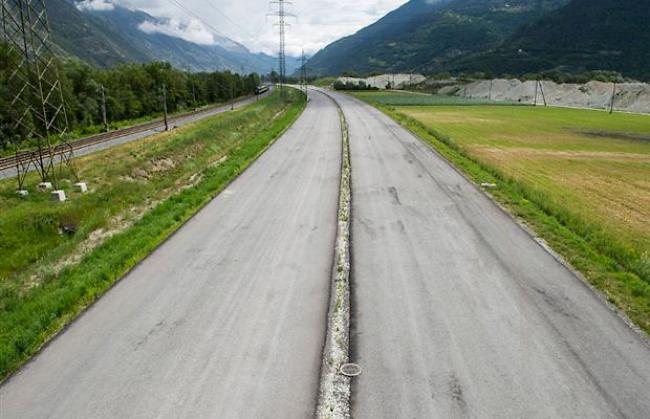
262, 89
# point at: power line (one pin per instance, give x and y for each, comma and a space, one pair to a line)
196, 16
191, 13
236, 25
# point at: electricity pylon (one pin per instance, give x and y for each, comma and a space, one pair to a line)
37, 108
282, 24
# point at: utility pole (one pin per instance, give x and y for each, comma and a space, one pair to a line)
164, 92
232, 96
490, 94
611, 104
189, 74
104, 119
188, 70
282, 25
303, 72
539, 87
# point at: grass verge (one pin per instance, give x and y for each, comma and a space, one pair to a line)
92, 130
621, 273
323, 82
30, 314
406, 98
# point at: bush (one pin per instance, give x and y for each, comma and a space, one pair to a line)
339, 85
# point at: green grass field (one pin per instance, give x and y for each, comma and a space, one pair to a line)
92, 130
579, 178
140, 193
594, 164
323, 82
405, 98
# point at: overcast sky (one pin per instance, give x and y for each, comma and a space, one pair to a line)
317, 22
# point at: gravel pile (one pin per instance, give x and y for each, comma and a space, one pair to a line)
629, 97
397, 81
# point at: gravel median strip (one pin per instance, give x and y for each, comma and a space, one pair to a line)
334, 395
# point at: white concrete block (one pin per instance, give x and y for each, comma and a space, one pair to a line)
58, 196
81, 187
44, 186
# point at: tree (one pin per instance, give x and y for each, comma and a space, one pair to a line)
9, 133
131, 91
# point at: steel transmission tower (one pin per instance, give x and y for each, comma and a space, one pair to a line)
37, 108
282, 25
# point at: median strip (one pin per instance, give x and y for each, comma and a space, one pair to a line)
334, 395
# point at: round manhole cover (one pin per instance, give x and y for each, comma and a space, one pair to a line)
350, 370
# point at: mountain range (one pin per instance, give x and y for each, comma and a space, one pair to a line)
497, 36
108, 37
584, 35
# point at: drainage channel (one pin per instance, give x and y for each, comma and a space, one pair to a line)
336, 369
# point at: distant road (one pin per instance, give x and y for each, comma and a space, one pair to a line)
85, 146
226, 320
459, 313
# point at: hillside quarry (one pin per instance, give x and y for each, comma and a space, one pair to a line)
628, 97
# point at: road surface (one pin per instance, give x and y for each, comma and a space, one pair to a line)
127, 138
457, 312
226, 320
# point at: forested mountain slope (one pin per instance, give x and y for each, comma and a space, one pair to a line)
426, 35
109, 37
582, 36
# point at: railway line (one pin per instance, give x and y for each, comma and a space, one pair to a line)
22, 159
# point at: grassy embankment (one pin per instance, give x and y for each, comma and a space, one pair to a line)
91, 130
579, 178
140, 194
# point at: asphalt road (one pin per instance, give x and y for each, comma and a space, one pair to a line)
226, 320
459, 313
188, 119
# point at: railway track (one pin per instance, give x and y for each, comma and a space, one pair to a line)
24, 157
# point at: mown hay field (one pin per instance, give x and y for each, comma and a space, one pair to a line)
594, 164
406, 98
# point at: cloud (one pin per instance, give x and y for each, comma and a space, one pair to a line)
192, 30
95, 5
317, 22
